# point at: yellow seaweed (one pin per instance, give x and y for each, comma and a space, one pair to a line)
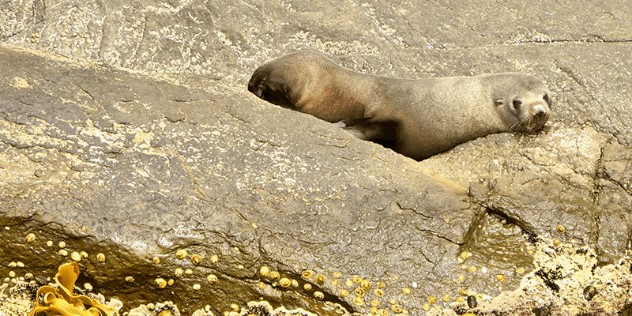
60, 300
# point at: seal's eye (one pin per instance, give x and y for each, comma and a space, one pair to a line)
517, 103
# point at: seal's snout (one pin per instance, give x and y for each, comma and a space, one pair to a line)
539, 112
537, 116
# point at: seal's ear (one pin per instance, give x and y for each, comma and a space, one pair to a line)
548, 100
499, 102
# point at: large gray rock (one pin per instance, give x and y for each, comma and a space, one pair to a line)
124, 163
176, 154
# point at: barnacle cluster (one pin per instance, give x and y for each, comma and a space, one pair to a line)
60, 299
264, 308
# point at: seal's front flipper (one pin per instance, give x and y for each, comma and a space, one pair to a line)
381, 132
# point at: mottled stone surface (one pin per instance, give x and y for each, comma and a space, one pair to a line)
173, 152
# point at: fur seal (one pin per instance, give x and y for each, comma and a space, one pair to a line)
417, 118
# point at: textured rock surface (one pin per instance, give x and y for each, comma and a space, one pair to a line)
176, 154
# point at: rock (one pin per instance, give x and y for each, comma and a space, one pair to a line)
116, 176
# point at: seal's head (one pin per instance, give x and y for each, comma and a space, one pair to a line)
528, 107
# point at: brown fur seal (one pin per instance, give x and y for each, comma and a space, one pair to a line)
417, 118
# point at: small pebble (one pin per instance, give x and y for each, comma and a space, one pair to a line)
590, 292
471, 301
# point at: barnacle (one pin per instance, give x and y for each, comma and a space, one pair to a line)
365, 284
344, 293
285, 282
212, 278
162, 283
320, 279
319, 295
30, 238
196, 259
214, 259
264, 271
274, 275
61, 300
356, 278
181, 254
75, 256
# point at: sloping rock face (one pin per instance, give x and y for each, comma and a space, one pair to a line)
172, 153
